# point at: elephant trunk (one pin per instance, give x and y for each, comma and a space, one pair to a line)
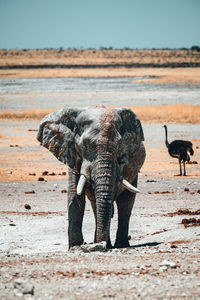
104, 182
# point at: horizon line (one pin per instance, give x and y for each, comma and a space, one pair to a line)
61, 48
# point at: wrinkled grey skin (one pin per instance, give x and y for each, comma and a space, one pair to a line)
105, 146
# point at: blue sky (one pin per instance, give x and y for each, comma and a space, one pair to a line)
99, 23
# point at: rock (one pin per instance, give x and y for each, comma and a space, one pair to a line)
30, 192
22, 288
45, 173
52, 174
151, 180
40, 178
94, 247
163, 269
27, 206
33, 129
167, 263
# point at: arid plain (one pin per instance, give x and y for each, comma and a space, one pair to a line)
162, 87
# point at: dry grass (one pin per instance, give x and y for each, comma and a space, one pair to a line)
28, 114
180, 113
98, 57
102, 63
156, 64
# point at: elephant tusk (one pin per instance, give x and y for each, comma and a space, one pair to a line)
129, 186
81, 184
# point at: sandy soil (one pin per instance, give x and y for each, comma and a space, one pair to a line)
21, 155
163, 260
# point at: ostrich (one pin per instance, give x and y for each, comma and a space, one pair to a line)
179, 149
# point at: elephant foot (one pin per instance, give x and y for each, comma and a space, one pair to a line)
122, 244
109, 245
71, 245
75, 240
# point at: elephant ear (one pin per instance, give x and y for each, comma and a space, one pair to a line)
130, 129
56, 133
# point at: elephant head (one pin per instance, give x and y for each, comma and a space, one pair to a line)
104, 151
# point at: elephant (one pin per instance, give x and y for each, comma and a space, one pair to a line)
104, 151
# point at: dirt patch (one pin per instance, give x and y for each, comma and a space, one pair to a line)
40, 213
184, 212
190, 222
162, 192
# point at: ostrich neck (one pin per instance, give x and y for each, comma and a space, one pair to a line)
166, 137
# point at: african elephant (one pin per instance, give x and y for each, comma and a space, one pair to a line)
104, 152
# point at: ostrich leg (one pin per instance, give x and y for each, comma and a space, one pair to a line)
184, 174
180, 167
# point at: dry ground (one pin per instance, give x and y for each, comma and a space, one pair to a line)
163, 260
102, 63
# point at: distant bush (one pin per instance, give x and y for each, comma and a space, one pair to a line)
106, 48
195, 48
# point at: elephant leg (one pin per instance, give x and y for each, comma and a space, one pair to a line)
125, 203
93, 204
76, 207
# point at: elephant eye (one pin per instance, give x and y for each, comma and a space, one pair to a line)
89, 149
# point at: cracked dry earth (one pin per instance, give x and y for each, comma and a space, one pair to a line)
163, 261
